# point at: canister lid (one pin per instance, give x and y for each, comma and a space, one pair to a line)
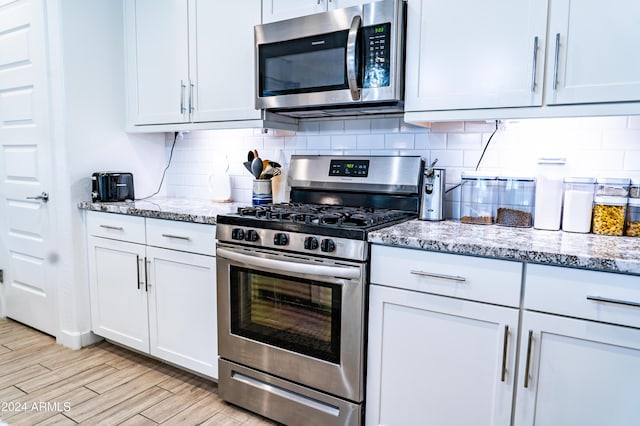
585, 180
477, 176
614, 181
610, 200
517, 178
634, 202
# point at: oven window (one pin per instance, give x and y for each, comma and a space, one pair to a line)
304, 65
291, 313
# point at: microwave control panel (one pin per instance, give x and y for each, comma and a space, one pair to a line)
376, 53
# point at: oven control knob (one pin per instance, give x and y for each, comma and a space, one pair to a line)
328, 246
251, 235
310, 243
280, 239
237, 234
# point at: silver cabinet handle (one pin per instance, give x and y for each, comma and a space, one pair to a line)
191, 108
442, 276
177, 237
555, 64
528, 365
535, 64
44, 197
613, 301
138, 266
147, 267
504, 353
114, 228
182, 90
352, 73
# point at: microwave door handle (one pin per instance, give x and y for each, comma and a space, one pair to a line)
352, 72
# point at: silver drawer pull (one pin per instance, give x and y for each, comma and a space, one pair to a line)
614, 301
442, 276
177, 237
115, 228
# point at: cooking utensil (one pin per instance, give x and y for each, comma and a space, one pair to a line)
250, 156
247, 165
256, 166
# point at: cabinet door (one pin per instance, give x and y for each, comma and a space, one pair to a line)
596, 58
577, 372
439, 360
222, 62
157, 61
474, 54
182, 309
118, 292
278, 10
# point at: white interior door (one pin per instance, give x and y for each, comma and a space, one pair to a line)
25, 223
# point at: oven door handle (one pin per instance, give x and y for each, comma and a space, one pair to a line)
284, 266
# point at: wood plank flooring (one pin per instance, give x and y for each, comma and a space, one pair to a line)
43, 383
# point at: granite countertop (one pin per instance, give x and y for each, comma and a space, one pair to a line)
181, 209
587, 251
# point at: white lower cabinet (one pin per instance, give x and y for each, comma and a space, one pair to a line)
579, 361
437, 356
577, 372
156, 300
119, 309
436, 360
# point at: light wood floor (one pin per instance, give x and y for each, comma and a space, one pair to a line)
44, 383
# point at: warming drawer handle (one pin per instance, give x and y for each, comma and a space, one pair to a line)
613, 301
352, 72
456, 278
284, 266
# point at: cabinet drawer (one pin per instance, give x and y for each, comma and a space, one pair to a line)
116, 226
594, 295
184, 236
472, 278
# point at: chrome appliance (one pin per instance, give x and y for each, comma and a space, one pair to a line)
433, 203
293, 283
342, 62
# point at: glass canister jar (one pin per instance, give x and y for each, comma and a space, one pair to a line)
608, 215
578, 204
632, 225
516, 201
479, 197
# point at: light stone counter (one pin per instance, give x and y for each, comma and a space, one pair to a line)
586, 251
181, 209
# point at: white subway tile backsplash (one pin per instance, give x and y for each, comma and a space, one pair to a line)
344, 142
370, 142
464, 141
399, 141
357, 126
431, 141
592, 146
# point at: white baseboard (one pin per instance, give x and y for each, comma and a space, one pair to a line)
77, 340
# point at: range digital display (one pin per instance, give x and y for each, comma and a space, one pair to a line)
349, 168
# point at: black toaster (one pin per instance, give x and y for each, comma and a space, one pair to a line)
112, 186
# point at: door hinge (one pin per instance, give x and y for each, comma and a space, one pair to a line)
1, 276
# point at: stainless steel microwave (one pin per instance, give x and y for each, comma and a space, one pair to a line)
342, 62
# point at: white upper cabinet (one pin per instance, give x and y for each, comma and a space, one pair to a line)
474, 54
278, 10
500, 59
592, 53
190, 61
159, 61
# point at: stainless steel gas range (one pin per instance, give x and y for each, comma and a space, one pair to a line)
293, 285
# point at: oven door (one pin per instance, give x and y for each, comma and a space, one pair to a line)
295, 317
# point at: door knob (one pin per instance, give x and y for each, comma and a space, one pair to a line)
44, 197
